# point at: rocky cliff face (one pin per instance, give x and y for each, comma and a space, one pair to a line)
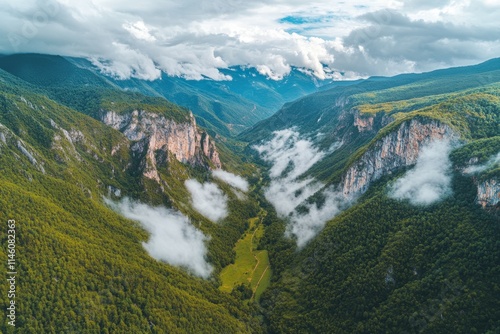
397, 149
153, 134
363, 122
488, 193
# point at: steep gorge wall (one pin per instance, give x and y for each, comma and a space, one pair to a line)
152, 132
397, 149
488, 193
488, 189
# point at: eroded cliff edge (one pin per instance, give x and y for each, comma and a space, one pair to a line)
156, 138
488, 193
397, 149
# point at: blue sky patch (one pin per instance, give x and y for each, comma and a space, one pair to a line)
305, 25
298, 20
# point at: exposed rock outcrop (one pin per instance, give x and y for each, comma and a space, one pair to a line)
71, 138
397, 149
488, 192
7, 138
363, 122
153, 132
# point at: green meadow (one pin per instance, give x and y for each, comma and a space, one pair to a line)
251, 266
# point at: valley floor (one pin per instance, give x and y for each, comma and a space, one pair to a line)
251, 267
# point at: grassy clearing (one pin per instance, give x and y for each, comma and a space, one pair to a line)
265, 282
251, 266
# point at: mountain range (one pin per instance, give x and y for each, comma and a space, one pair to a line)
251, 205
226, 107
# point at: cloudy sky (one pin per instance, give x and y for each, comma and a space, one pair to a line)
194, 39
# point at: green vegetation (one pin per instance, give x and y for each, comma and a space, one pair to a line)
387, 267
467, 99
479, 152
223, 107
382, 266
251, 266
472, 116
51, 71
482, 149
83, 267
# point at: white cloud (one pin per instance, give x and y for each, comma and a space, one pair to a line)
306, 226
235, 181
429, 181
494, 160
239, 195
492, 3
139, 31
194, 40
207, 199
173, 239
290, 157
287, 194
127, 63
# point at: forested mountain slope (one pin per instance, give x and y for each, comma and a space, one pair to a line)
385, 199
82, 267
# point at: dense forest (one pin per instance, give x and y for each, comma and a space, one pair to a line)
81, 266
386, 266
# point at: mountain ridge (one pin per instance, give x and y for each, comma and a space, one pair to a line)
226, 107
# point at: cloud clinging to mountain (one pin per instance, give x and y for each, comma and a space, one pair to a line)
493, 161
173, 239
291, 155
430, 180
233, 180
208, 199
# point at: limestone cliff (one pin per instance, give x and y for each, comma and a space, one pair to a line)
397, 149
488, 188
488, 192
363, 122
153, 133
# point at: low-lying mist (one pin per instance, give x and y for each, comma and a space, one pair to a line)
494, 160
208, 199
430, 180
173, 239
233, 180
291, 157
305, 226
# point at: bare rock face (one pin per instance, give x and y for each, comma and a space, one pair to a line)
363, 122
7, 137
153, 132
488, 193
397, 149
